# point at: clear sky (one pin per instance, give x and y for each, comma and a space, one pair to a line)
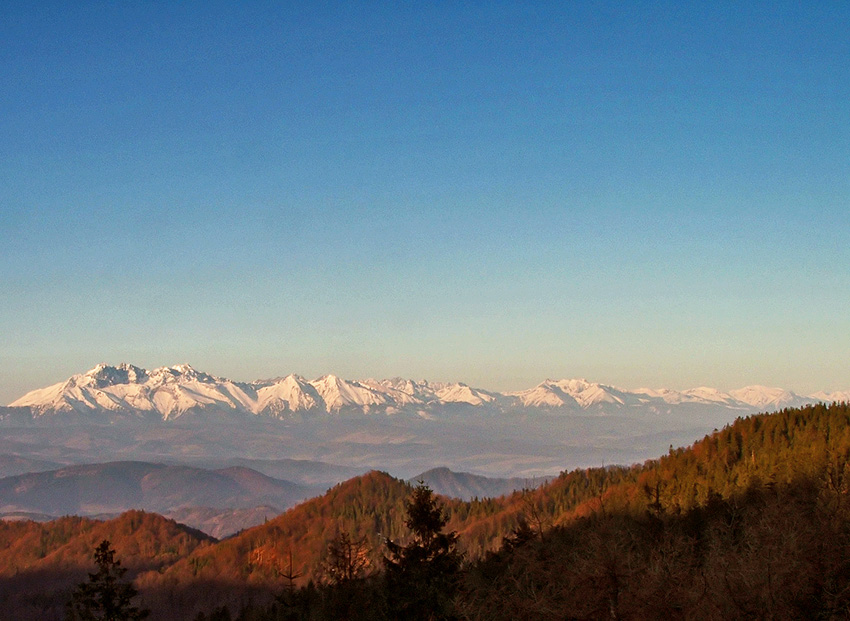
655, 194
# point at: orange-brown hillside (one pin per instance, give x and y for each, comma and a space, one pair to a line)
41, 563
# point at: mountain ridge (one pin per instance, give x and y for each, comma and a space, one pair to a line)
167, 393
113, 487
467, 486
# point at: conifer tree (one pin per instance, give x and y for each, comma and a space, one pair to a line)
422, 575
105, 597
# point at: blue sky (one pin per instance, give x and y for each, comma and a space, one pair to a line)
651, 194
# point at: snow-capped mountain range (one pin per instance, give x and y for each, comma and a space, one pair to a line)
166, 393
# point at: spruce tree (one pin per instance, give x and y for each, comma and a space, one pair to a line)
105, 597
422, 575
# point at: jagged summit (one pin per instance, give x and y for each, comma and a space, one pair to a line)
171, 391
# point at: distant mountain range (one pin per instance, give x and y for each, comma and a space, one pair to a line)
167, 393
467, 486
325, 430
114, 487
218, 502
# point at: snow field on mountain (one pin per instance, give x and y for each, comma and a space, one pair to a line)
169, 392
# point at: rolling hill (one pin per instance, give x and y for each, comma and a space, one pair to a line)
115, 487
466, 486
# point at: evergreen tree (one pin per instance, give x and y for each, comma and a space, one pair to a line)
422, 575
105, 597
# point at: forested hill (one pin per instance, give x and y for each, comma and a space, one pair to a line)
751, 522
790, 467
808, 442
40, 562
766, 449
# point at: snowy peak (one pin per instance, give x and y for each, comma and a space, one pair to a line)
576, 393
702, 395
285, 396
547, 394
588, 394
181, 373
165, 392
584, 395
339, 393
709, 395
766, 397
830, 397
403, 392
170, 392
104, 375
461, 393
410, 392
